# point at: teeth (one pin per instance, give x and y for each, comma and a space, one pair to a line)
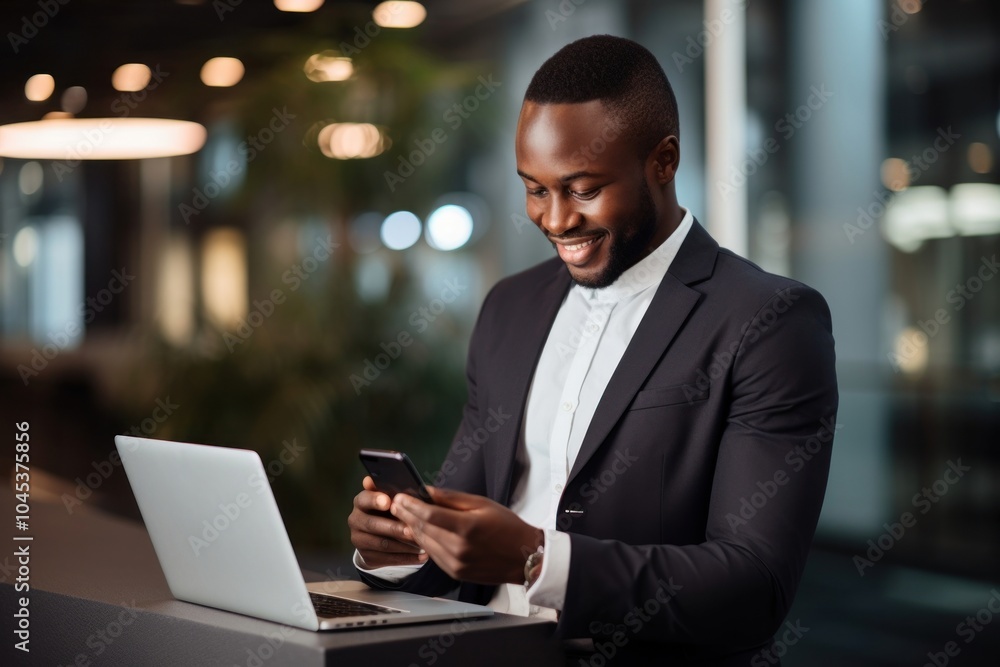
580, 245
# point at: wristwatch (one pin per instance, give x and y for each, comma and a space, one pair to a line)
533, 566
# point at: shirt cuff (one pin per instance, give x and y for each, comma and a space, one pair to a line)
391, 573
549, 590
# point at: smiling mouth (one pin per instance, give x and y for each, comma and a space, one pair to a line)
580, 246
579, 254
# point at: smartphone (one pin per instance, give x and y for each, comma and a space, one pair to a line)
394, 472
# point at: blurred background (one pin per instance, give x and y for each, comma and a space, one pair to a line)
277, 222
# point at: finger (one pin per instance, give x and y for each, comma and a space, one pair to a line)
372, 501
422, 529
455, 499
434, 542
381, 526
437, 552
377, 543
381, 498
444, 517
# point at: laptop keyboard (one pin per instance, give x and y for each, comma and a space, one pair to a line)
328, 606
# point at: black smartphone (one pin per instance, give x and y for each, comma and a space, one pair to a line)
394, 472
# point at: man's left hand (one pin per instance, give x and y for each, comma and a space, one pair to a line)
470, 537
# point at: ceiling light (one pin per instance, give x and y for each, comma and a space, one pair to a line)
895, 174
328, 66
25, 246
74, 99
39, 87
346, 141
100, 138
449, 227
222, 72
131, 77
399, 14
298, 5
911, 352
400, 230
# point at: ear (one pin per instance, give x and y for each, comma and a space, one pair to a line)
664, 160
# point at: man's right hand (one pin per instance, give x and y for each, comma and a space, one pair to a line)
377, 535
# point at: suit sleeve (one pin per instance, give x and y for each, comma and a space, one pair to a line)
462, 470
735, 588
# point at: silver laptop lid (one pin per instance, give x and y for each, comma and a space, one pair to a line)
216, 529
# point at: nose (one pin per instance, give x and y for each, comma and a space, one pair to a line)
559, 216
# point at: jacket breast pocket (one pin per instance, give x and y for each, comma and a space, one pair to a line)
658, 397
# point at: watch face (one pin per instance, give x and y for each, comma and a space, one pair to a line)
533, 567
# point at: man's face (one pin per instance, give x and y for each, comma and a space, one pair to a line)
586, 189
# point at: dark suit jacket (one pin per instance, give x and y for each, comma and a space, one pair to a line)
695, 495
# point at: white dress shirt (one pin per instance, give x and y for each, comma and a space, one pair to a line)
588, 338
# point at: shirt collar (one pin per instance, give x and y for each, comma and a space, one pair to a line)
646, 272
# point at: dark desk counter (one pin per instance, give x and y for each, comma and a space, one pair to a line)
98, 597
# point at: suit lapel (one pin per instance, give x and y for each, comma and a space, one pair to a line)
668, 311
523, 355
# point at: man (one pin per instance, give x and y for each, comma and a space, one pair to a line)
646, 442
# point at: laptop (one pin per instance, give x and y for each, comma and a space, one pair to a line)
221, 543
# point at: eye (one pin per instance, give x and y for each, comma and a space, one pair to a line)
536, 192
588, 194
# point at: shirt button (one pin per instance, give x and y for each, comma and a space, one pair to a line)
558, 488
567, 407
534, 610
593, 328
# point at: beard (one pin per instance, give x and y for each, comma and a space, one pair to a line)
628, 247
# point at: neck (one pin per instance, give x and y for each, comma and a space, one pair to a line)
668, 222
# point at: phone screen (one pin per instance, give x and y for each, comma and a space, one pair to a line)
393, 473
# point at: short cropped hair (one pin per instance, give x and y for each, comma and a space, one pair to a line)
622, 74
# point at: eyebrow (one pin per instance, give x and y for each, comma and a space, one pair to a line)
563, 179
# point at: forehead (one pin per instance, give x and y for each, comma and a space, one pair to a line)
560, 137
